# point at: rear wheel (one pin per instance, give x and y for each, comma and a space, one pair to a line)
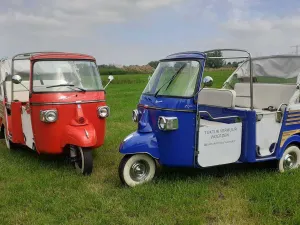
83, 160
137, 169
290, 159
8, 142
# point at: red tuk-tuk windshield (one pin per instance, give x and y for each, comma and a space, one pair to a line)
59, 76
174, 78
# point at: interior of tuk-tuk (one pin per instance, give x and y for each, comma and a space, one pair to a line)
274, 83
274, 86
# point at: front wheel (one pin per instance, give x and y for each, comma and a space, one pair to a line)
137, 169
290, 159
83, 160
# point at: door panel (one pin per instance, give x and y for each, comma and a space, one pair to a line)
219, 143
267, 133
27, 127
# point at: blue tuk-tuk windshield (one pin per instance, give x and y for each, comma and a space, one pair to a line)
174, 78
58, 76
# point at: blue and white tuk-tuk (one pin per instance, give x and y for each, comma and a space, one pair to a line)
254, 117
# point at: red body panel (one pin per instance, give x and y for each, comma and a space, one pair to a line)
52, 137
16, 125
62, 55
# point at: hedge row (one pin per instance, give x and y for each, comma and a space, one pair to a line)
117, 72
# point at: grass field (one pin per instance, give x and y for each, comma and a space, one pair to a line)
43, 190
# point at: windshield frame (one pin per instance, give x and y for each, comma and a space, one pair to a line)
197, 85
53, 92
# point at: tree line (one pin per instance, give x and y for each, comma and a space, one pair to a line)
110, 69
210, 63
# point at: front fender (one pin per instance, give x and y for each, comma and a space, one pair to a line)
140, 143
83, 136
292, 139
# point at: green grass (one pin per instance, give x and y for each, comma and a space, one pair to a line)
43, 190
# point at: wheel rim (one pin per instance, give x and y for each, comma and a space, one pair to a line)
290, 161
139, 170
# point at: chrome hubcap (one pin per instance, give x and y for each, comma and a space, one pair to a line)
290, 161
139, 170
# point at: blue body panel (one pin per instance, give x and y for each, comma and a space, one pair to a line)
176, 148
293, 139
187, 55
140, 143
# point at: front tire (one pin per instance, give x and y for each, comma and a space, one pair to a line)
290, 159
84, 160
137, 169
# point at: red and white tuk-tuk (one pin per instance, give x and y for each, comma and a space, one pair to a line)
53, 103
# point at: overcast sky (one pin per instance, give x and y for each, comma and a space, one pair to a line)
138, 31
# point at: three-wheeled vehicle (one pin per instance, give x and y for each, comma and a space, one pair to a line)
182, 122
53, 103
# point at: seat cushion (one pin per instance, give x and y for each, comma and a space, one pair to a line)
217, 97
264, 95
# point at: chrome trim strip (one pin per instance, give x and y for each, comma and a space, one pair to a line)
64, 103
264, 159
294, 111
293, 119
293, 115
217, 118
292, 123
140, 153
167, 109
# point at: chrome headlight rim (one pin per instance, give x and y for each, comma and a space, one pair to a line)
103, 111
167, 123
162, 122
135, 115
49, 116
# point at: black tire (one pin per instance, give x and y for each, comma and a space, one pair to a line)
143, 164
290, 159
84, 161
10, 145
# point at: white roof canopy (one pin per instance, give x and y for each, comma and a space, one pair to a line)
281, 66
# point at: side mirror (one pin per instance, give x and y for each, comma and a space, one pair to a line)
110, 79
16, 79
208, 81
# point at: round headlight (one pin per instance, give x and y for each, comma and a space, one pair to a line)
162, 123
135, 115
51, 116
103, 111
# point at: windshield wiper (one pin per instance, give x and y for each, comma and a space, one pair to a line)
81, 89
61, 85
170, 81
66, 85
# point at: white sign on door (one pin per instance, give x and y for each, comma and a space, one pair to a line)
219, 144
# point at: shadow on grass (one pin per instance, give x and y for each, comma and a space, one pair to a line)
25, 154
62, 162
241, 169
